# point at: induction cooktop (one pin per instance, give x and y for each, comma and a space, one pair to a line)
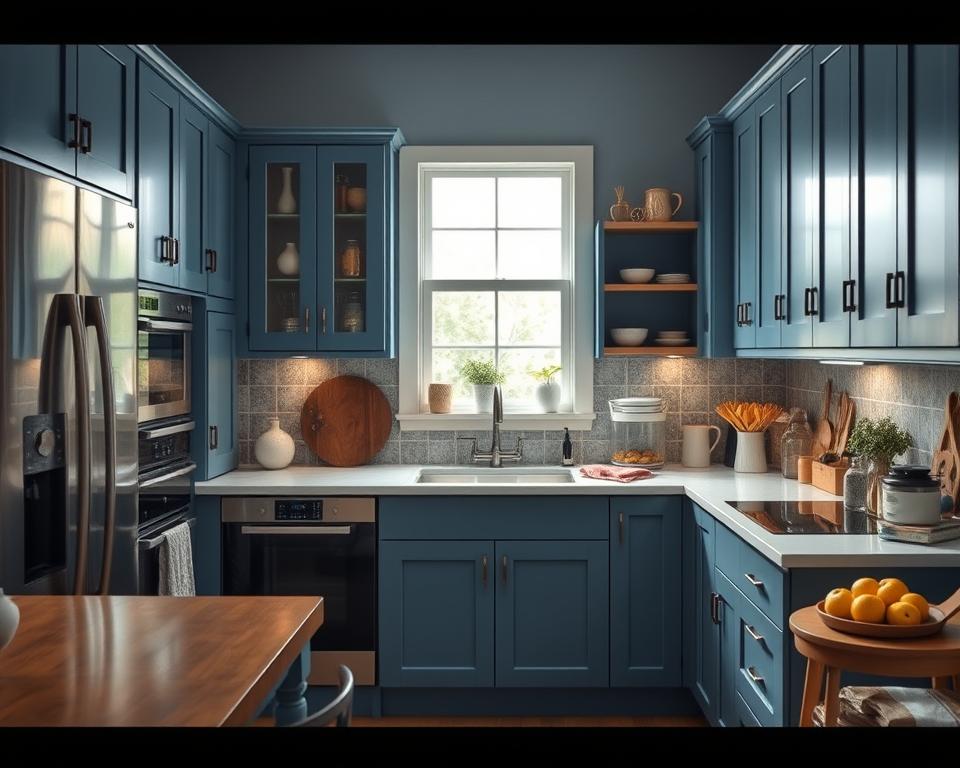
806, 517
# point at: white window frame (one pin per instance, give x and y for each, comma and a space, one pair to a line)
419, 163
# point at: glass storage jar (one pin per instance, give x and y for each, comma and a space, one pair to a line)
856, 484
638, 432
797, 441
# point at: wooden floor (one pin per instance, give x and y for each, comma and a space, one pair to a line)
522, 722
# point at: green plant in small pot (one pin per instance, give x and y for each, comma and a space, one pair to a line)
484, 376
548, 390
879, 441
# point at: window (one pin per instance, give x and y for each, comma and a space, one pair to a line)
494, 265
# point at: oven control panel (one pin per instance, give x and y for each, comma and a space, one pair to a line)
298, 509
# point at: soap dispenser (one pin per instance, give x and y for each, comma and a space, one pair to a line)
567, 459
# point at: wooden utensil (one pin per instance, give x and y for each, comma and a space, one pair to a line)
939, 615
346, 420
823, 437
844, 421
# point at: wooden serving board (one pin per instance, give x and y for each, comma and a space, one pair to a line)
346, 420
946, 457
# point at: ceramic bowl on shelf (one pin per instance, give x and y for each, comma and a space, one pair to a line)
672, 334
637, 275
672, 342
628, 337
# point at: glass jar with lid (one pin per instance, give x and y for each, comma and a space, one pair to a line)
638, 432
797, 441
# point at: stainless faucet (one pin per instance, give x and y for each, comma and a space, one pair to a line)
496, 456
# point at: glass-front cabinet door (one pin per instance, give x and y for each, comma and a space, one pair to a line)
283, 248
351, 290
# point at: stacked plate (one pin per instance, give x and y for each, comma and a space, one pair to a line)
672, 339
637, 405
672, 278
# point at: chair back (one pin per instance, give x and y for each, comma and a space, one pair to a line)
340, 709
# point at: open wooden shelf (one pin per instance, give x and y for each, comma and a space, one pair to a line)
653, 350
650, 287
650, 226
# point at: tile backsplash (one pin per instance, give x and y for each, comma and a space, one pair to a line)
690, 389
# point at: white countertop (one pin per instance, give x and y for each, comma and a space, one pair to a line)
710, 488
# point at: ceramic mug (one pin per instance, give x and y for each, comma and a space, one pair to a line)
697, 446
657, 204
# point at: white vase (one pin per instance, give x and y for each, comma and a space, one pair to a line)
548, 395
274, 449
751, 453
288, 262
9, 620
287, 203
483, 396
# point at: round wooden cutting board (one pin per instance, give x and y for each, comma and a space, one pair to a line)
346, 421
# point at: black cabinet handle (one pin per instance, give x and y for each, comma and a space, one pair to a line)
891, 298
176, 250
503, 569
166, 249
211, 260
214, 437
483, 571
215, 264
814, 301
746, 313
86, 144
778, 307
806, 303
739, 315
74, 143
849, 295
620, 526
901, 289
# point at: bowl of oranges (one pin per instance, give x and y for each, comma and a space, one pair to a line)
885, 608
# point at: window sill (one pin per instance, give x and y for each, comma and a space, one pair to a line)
440, 422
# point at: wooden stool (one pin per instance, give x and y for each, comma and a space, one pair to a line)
826, 650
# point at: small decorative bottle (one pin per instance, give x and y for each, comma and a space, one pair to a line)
796, 441
856, 484
567, 459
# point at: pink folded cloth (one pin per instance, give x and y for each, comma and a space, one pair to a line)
620, 474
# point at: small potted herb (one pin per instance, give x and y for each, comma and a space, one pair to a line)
484, 375
548, 390
879, 441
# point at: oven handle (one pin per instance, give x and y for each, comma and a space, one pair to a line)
296, 530
185, 426
145, 545
170, 475
163, 325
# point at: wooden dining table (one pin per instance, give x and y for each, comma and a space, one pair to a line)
144, 661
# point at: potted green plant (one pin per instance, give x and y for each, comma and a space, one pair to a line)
483, 374
879, 441
548, 390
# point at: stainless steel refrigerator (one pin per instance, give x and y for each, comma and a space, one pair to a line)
68, 411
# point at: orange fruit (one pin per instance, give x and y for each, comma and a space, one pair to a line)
919, 602
866, 586
891, 590
869, 608
838, 602
903, 614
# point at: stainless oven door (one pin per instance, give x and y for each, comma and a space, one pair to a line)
149, 539
163, 368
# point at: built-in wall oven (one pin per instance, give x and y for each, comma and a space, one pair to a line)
164, 328
311, 546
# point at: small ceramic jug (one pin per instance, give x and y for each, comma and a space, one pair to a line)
657, 204
9, 619
697, 446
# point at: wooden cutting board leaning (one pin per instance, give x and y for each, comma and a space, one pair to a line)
946, 456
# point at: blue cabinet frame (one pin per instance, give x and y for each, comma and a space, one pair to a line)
770, 293
745, 229
193, 160
701, 637
221, 396
220, 220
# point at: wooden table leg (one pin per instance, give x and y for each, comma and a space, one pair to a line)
811, 692
831, 700
291, 704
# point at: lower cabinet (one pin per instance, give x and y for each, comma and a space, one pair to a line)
701, 636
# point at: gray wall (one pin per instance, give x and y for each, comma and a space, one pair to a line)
634, 103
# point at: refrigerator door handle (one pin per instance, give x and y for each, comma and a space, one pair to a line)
95, 316
65, 312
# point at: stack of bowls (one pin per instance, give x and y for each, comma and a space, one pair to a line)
672, 339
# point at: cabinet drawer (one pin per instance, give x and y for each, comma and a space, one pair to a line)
745, 717
759, 579
759, 674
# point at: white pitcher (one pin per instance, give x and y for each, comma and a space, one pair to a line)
697, 446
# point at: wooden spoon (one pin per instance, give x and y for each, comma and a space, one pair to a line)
824, 434
844, 425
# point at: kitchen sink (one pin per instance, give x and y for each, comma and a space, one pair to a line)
491, 476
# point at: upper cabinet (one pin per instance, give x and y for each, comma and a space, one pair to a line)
320, 257
72, 108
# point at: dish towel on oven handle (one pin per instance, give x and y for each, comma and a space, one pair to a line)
176, 563
620, 474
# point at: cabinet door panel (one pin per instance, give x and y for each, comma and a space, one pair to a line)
38, 93
831, 151
728, 614
552, 613
874, 194
436, 613
645, 591
798, 204
701, 642
106, 95
221, 163
158, 130
928, 237
745, 230
193, 197
221, 393
769, 213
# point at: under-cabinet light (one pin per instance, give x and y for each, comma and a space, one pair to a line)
298, 357
842, 362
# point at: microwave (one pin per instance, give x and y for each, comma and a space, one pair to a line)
164, 328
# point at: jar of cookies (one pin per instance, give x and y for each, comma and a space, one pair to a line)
638, 432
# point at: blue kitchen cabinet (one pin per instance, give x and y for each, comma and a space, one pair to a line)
727, 620
701, 636
72, 108
221, 394
925, 286
745, 228
436, 622
873, 178
193, 175
645, 574
220, 220
831, 152
770, 298
552, 614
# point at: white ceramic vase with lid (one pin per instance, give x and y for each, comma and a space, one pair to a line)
287, 203
9, 619
274, 449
